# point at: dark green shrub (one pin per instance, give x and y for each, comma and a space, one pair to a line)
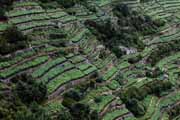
133, 96
136, 107
81, 111
68, 102
75, 95
12, 40
97, 100
66, 4
64, 115
29, 90
35, 112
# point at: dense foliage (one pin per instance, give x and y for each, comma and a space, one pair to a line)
76, 110
29, 90
2, 14
133, 96
89, 59
22, 102
130, 24
64, 3
113, 37
135, 21
164, 50
5, 5
12, 40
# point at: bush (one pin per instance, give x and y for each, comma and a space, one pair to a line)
6, 2
118, 52
162, 51
29, 90
13, 35
68, 102
133, 96
35, 112
135, 59
10, 104
4, 5
66, 4
99, 79
97, 100
81, 111
12, 108
123, 34
73, 95
141, 23
136, 107
2, 14
64, 115
12, 40
154, 73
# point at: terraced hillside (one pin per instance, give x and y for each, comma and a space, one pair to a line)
90, 60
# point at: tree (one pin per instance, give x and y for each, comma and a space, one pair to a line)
35, 112
66, 4
94, 115
136, 107
118, 52
12, 40
30, 90
13, 35
80, 111
10, 104
124, 9
73, 94
2, 14
6, 2
64, 115
12, 108
68, 102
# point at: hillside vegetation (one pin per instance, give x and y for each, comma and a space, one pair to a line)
89, 59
